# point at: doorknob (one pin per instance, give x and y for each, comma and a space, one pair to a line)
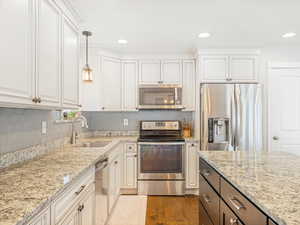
275, 138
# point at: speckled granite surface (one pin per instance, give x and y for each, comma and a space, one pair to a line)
28, 187
270, 180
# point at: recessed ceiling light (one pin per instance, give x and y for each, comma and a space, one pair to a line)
122, 41
204, 35
289, 35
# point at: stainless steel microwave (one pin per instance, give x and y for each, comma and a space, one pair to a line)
160, 97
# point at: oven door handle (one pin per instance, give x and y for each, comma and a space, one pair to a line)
161, 143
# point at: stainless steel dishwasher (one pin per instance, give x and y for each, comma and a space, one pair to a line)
101, 182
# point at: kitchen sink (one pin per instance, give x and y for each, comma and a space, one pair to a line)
97, 144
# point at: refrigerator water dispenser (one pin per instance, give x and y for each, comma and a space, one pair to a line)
218, 130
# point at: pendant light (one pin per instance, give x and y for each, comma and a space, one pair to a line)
87, 71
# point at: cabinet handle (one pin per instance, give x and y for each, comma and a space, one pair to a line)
206, 198
39, 100
81, 207
206, 173
34, 100
116, 162
80, 190
236, 203
234, 221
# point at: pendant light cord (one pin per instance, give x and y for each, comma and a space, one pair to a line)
86, 50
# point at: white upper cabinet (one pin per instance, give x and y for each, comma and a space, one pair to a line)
49, 52
70, 64
38, 52
130, 81
229, 67
110, 84
150, 72
214, 68
243, 68
172, 72
189, 85
17, 48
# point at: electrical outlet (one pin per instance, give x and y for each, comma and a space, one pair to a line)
44, 127
125, 122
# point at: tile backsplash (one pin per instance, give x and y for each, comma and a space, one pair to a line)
114, 121
22, 128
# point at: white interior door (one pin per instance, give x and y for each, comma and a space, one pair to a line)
284, 109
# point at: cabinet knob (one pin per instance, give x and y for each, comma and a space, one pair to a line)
116, 162
275, 138
234, 221
39, 100
103, 108
193, 145
80, 106
229, 79
135, 155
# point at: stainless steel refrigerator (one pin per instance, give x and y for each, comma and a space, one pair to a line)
231, 117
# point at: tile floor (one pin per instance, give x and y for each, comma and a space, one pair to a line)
130, 210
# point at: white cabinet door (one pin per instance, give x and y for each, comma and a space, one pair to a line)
130, 83
172, 72
71, 218
214, 68
70, 65
16, 54
150, 71
189, 85
48, 53
110, 84
42, 219
87, 212
130, 171
192, 165
243, 68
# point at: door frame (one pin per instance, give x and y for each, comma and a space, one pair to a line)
275, 66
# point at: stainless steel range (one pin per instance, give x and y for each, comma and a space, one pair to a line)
161, 158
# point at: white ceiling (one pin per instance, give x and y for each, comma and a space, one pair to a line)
172, 26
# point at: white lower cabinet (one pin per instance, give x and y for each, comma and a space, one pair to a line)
129, 176
192, 165
114, 170
42, 219
71, 218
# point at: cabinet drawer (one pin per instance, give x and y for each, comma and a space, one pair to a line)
210, 200
71, 195
203, 217
130, 147
227, 217
247, 212
210, 174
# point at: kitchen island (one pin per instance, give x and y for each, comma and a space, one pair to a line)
270, 181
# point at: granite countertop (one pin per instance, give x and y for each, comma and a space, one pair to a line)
270, 180
27, 188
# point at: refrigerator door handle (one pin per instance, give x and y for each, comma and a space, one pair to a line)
238, 114
232, 120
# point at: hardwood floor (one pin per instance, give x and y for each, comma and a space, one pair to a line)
172, 210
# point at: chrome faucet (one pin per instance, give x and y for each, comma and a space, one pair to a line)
84, 123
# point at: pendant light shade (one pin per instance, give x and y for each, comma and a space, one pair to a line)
87, 74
